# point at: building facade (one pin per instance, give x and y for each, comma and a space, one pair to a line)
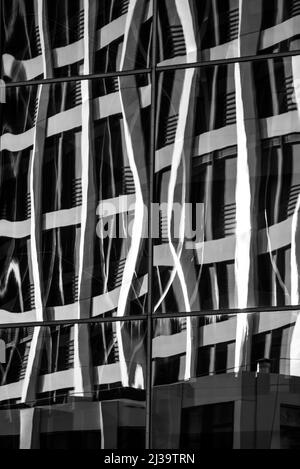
149, 224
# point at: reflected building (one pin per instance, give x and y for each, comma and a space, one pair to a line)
118, 117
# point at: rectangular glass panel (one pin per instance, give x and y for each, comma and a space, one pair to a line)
226, 381
227, 187
194, 31
61, 38
74, 193
73, 386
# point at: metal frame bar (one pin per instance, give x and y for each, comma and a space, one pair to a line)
158, 68
153, 317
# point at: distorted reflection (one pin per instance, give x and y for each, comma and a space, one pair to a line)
64, 33
225, 29
227, 172
74, 184
40, 406
254, 406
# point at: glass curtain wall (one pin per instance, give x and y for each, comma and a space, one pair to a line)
149, 224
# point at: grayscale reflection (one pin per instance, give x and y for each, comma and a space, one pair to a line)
225, 29
149, 169
254, 406
74, 178
227, 170
39, 405
56, 32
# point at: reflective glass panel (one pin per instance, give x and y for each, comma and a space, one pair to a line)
192, 30
60, 38
74, 172
227, 381
73, 386
227, 187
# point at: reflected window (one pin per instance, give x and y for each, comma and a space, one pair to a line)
209, 426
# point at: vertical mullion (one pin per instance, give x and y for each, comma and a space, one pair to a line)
150, 228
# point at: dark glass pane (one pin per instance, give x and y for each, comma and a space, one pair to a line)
16, 292
60, 38
73, 386
193, 30
74, 191
208, 426
227, 187
290, 426
226, 381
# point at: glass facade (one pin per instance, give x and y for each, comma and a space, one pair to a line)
149, 224
115, 36
232, 157
225, 29
66, 172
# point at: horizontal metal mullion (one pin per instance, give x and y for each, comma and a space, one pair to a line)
93, 76
155, 316
73, 322
163, 68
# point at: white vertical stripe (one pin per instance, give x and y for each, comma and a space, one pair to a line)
38, 302
85, 161
101, 424
139, 212
243, 213
137, 232
295, 340
41, 14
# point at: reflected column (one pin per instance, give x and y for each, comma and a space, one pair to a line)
136, 152
248, 136
82, 366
